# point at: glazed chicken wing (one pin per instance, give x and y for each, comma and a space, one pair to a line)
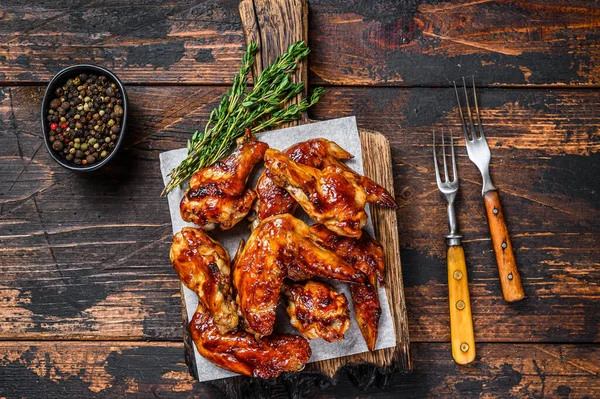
240, 352
375, 193
317, 311
366, 255
274, 200
203, 266
332, 196
279, 245
217, 194
367, 311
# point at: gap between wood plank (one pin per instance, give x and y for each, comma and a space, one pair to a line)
553, 86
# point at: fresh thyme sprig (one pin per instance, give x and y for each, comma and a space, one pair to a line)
261, 108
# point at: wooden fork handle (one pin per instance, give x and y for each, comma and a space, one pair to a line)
461, 319
510, 280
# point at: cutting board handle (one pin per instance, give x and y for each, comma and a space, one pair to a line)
275, 25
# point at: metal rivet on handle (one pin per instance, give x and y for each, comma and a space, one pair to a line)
464, 347
495, 211
457, 275
460, 305
503, 245
510, 276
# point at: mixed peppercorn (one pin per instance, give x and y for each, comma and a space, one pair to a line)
85, 118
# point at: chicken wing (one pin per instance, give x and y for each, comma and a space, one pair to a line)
375, 193
217, 194
274, 200
333, 197
240, 352
317, 311
281, 245
203, 266
366, 255
321, 153
367, 311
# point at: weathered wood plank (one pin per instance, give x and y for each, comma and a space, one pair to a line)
87, 256
121, 369
355, 42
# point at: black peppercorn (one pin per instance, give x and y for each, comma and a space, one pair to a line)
118, 110
57, 145
55, 103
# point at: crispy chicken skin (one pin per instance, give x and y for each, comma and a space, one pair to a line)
317, 310
240, 352
280, 246
274, 200
366, 255
331, 196
203, 266
217, 194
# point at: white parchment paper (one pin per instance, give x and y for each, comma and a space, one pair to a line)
344, 132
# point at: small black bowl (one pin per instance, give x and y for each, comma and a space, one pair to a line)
58, 80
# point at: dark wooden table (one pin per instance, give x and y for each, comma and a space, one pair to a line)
89, 304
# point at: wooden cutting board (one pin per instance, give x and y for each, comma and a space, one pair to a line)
274, 25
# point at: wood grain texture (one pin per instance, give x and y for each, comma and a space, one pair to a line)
462, 337
510, 279
354, 42
86, 256
377, 159
139, 370
275, 25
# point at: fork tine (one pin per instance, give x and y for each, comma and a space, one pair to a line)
444, 157
473, 132
477, 110
462, 117
454, 172
435, 162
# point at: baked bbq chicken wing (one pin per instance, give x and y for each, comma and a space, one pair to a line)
240, 352
203, 266
332, 196
317, 310
281, 246
217, 194
274, 200
366, 255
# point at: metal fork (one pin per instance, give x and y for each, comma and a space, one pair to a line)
461, 319
479, 154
